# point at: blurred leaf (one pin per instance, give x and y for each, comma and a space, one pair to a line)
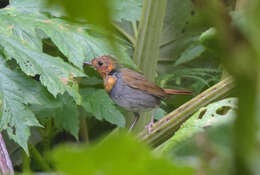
17, 91
95, 12
182, 25
131, 157
129, 10
209, 39
98, 103
213, 115
191, 53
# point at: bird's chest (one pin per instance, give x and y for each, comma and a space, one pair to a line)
132, 99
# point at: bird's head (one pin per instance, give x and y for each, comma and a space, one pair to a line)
103, 64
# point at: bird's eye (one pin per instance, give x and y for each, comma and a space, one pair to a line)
100, 63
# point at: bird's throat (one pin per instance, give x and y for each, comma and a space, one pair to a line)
109, 82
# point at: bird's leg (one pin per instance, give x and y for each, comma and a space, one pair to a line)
137, 116
150, 124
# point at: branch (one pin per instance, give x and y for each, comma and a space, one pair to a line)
5, 161
165, 128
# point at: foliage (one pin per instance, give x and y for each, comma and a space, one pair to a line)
21, 39
45, 89
110, 158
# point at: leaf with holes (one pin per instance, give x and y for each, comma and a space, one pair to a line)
55, 74
214, 114
77, 42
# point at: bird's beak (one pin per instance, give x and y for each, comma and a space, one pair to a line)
88, 63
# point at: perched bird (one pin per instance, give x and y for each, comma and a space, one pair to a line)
130, 89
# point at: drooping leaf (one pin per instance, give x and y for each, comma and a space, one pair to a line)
66, 117
62, 109
16, 92
131, 157
98, 103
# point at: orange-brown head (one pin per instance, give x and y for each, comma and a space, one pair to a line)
104, 65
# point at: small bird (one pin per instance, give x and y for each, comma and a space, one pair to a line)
130, 89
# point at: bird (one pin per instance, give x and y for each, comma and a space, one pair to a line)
130, 89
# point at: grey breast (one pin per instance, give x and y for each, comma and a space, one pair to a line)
130, 98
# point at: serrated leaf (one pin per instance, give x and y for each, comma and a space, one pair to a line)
191, 53
78, 43
108, 158
66, 116
16, 92
98, 103
62, 109
55, 74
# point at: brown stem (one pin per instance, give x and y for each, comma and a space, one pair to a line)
5, 161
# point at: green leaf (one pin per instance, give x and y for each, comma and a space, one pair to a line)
213, 115
66, 116
77, 42
129, 10
191, 53
62, 109
117, 155
182, 26
16, 92
98, 103
55, 74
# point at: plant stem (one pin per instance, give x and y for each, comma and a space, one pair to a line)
41, 162
147, 45
5, 161
123, 32
83, 130
165, 128
135, 28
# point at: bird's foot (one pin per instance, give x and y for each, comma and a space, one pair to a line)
149, 126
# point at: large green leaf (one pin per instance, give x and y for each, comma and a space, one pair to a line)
77, 42
16, 92
117, 155
55, 74
98, 103
215, 114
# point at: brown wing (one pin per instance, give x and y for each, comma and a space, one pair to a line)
138, 81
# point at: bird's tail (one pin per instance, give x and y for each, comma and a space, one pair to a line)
174, 91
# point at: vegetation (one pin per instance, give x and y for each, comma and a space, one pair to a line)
56, 117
